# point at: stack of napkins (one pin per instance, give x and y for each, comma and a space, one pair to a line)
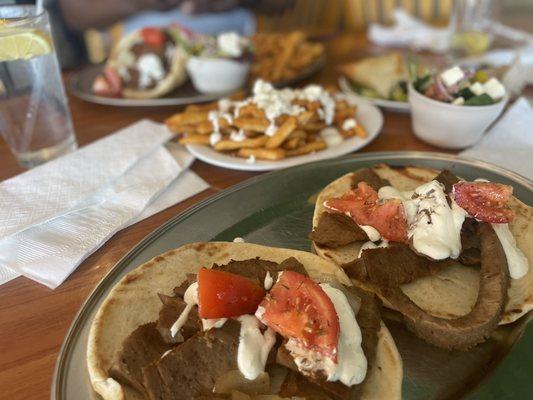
509, 143
56, 215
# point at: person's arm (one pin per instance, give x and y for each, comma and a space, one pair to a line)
84, 14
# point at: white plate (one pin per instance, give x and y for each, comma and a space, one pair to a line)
398, 106
368, 115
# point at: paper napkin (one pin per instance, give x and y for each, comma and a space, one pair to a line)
48, 252
409, 31
509, 143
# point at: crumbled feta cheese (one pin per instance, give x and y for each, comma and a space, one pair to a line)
477, 89
452, 75
237, 136
251, 160
214, 138
231, 43
494, 88
150, 69
348, 124
331, 136
459, 101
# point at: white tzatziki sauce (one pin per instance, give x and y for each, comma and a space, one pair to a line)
269, 281
516, 260
191, 299
351, 365
433, 226
254, 346
371, 232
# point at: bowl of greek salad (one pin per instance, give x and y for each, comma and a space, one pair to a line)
452, 108
220, 64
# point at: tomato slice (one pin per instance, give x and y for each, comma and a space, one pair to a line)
153, 36
363, 206
224, 295
486, 201
296, 307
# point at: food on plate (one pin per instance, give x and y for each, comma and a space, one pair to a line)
241, 321
383, 77
283, 56
460, 85
272, 124
145, 64
453, 257
220, 63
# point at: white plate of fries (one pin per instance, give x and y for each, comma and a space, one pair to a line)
299, 138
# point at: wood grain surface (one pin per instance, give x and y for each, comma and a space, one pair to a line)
34, 319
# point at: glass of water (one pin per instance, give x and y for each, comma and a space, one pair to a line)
34, 115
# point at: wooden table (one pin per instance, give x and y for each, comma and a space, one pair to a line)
35, 319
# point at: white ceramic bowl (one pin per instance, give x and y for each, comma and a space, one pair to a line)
448, 125
217, 75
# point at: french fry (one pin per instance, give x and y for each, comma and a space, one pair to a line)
206, 127
229, 145
305, 117
314, 126
187, 118
307, 148
194, 139
263, 154
298, 133
360, 131
291, 143
251, 124
282, 133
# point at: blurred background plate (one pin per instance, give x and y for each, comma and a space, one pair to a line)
398, 106
81, 81
368, 115
276, 210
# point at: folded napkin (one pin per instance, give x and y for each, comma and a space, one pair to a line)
74, 206
409, 31
509, 143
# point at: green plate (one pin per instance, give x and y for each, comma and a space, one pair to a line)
276, 209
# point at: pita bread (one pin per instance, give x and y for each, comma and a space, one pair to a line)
134, 301
175, 77
381, 74
451, 293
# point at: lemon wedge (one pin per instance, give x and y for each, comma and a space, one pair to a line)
23, 44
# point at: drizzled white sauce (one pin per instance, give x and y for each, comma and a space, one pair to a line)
254, 347
214, 138
191, 299
213, 323
269, 281
516, 260
331, 136
271, 130
371, 245
150, 69
371, 232
237, 136
433, 226
351, 365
